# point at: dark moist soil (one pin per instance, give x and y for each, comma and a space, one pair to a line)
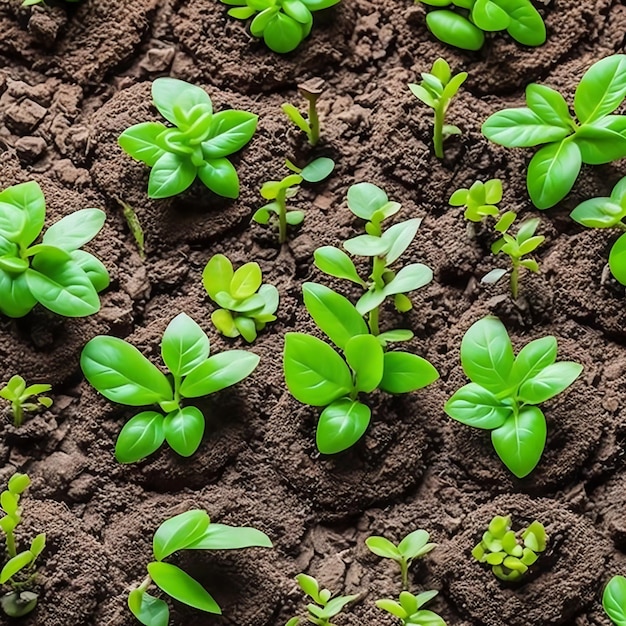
71, 80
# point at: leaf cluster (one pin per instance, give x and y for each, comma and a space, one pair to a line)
410, 609
480, 200
18, 394
54, 272
594, 137
247, 304
122, 374
510, 555
614, 600
505, 388
283, 24
192, 530
462, 23
317, 375
195, 146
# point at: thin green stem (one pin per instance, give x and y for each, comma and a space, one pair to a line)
372, 321
515, 278
18, 413
404, 571
378, 269
281, 201
438, 131
177, 383
314, 122
147, 581
11, 547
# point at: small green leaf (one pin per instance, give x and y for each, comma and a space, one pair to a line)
282, 33
405, 372
415, 544
455, 29
140, 437
148, 610
170, 175
15, 564
532, 359
318, 169
336, 262
364, 199
18, 483
365, 356
140, 142
246, 281
179, 532
382, 547
522, 128
217, 275
223, 537
230, 132
478, 407
220, 176
183, 430
309, 585
598, 213
342, 423
184, 345
549, 381
409, 278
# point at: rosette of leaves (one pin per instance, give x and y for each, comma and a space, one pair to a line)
510, 554
195, 146
480, 200
614, 600
192, 530
608, 213
51, 270
505, 389
317, 375
122, 374
409, 609
247, 304
463, 23
595, 136
282, 24
24, 398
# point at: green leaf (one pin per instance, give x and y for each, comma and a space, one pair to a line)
310, 586
217, 275
218, 372
140, 437
230, 132
335, 315
74, 230
423, 95
223, 537
93, 268
405, 372
598, 213
614, 600
415, 544
399, 237
489, 16
382, 547
549, 105
296, 117
170, 175
364, 199
148, 610
18, 483
282, 33
532, 359
365, 356
476, 406
409, 278
617, 260
318, 169
122, 374
603, 141
392, 607
315, 374
15, 564
9, 502
519, 442
549, 381
12, 222
29, 198
220, 176
342, 423
179, 532
166, 92
16, 298
526, 25
521, 128
246, 281
183, 430
182, 587
140, 142
336, 605
366, 245
455, 29
37, 545
184, 345
336, 262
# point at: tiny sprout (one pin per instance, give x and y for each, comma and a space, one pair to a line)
436, 91
18, 394
614, 600
134, 225
480, 200
414, 546
247, 304
324, 608
409, 609
510, 554
311, 90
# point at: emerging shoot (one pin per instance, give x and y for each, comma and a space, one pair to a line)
410, 609
310, 91
24, 398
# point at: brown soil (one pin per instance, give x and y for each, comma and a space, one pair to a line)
71, 80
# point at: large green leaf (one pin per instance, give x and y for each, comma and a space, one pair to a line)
614, 600
526, 25
16, 300
12, 222
93, 267
170, 175
184, 429
230, 131
220, 176
533, 358
455, 29
184, 345
549, 381
224, 537
341, 425
283, 34
29, 198
617, 259
488, 16
603, 141
476, 406
549, 105
149, 610
140, 437
405, 372
179, 532
521, 128
598, 213
365, 356
74, 230
140, 142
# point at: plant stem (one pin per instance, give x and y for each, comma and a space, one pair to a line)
372, 321
281, 201
147, 581
314, 122
404, 570
438, 132
11, 549
515, 279
378, 269
18, 413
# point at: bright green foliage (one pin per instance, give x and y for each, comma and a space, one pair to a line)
283, 24
594, 137
608, 213
462, 23
279, 191
414, 546
310, 91
370, 203
196, 145
436, 91
409, 609
19, 571
325, 608
317, 375
480, 200
510, 554
19, 395
122, 374
192, 530
54, 272
614, 600
247, 305
504, 389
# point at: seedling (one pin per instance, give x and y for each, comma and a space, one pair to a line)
436, 91
247, 305
614, 600
19, 395
594, 136
54, 272
122, 374
192, 530
414, 546
134, 225
19, 571
196, 146
409, 609
510, 554
608, 213
310, 91
325, 608
318, 376
279, 191
370, 203
463, 23
505, 388
283, 24
480, 200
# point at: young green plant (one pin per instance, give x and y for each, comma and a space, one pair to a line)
19, 571
195, 146
24, 398
122, 374
247, 304
318, 376
480, 200
279, 191
370, 203
192, 530
437, 89
595, 136
614, 600
311, 92
325, 607
53, 272
505, 389
510, 554
410, 609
